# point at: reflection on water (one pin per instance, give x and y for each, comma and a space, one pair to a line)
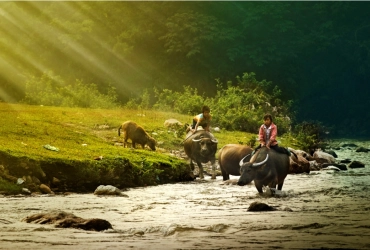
323, 209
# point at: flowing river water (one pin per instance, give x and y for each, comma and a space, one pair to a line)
321, 210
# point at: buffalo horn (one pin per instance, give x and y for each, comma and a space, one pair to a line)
197, 140
214, 140
242, 160
260, 163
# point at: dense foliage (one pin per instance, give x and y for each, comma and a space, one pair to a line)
49, 90
317, 53
239, 106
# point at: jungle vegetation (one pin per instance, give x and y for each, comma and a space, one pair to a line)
316, 53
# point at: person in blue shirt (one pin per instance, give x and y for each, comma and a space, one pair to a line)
203, 119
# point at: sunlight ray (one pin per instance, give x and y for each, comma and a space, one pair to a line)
81, 54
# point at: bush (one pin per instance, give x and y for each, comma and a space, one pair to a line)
188, 102
243, 106
50, 90
309, 135
240, 107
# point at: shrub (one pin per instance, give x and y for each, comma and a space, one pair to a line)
188, 102
309, 135
50, 90
242, 107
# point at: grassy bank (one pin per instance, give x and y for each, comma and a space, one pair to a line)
82, 136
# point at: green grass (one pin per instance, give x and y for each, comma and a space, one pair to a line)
26, 129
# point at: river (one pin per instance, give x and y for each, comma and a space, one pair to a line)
321, 210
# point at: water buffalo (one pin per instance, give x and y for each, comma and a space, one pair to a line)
229, 157
266, 168
201, 147
136, 134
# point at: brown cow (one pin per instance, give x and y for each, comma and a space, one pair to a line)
136, 134
229, 157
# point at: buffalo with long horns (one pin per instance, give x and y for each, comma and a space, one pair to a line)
267, 167
201, 147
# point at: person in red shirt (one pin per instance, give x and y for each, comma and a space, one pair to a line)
267, 135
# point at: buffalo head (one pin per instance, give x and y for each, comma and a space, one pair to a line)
207, 146
248, 170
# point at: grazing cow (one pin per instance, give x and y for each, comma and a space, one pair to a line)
229, 157
136, 134
266, 168
201, 147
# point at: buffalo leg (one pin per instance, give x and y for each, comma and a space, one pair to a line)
225, 175
259, 189
258, 186
213, 169
201, 176
125, 138
280, 186
191, 165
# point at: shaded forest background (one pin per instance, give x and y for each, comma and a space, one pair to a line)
317, 53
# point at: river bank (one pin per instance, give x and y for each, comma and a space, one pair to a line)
320, 210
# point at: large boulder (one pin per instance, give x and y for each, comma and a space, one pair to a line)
67, 220
322, 157
172, 123
356, 164
331, 152
362, 149
336, 165
108, 190
45, 189
259, 206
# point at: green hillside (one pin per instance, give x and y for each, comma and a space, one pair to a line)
81, 137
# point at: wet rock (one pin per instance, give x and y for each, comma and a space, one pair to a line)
314, 166
288, 209
68, 220
230, 182
26, 191
45, 189
331, 152
89, 224
322, 157
346, 161
55, 181
362, 149
356, 164
348, 145
259, 206
331, 168
338, 166
108, 190
20, 181
35, 180
28, 179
